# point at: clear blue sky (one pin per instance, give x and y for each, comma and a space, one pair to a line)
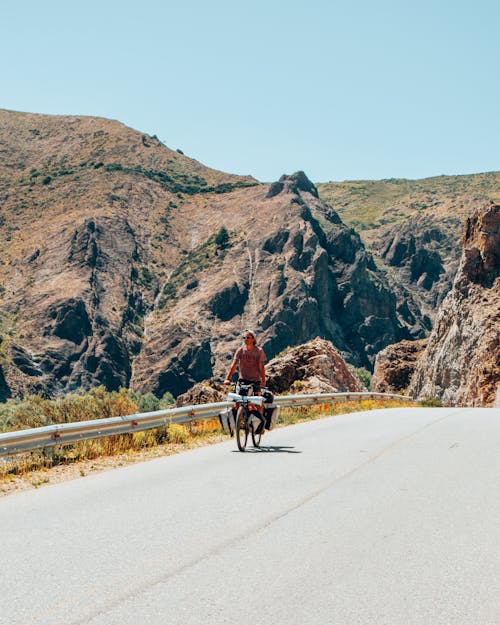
342, 90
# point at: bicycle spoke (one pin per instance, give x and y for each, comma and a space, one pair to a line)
256, 438
241, 428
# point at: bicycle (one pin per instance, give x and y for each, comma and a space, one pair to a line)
248, 417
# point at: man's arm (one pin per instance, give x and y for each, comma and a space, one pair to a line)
262, 370
231, 371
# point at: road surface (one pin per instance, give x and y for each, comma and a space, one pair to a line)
388, 517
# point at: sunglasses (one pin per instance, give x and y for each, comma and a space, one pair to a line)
248, 336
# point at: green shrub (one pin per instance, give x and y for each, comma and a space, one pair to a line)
145, 403
146, 277
431, 402
222, 238
18, 414
363, 374
167, 401
34, 411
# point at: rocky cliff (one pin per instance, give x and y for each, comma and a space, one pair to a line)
461, 364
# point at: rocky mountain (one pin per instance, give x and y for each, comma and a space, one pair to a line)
286, 267
413, 228
461, 364
85, 244
126, 263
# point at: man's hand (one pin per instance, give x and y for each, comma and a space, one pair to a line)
227, 381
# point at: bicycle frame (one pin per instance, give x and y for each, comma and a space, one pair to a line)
250, 405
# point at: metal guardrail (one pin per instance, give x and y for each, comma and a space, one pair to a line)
63, 433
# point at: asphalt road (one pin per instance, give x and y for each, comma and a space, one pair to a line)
378, 518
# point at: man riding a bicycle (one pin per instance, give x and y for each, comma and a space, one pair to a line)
249, 359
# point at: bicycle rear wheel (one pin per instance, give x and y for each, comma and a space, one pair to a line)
241, 428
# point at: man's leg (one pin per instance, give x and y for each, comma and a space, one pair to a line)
262, 425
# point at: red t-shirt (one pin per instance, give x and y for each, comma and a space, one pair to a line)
250, 363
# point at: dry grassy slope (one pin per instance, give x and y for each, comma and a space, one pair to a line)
55, 170
371, 204
389, 214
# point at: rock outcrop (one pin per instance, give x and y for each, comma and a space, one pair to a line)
206, 392
461, 364
395, 366
5, 391
315, 367
423, 255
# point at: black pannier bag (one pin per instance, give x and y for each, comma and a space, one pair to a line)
271, 412
227, 420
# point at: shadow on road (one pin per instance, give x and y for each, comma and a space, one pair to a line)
272, 449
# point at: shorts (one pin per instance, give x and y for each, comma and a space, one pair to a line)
256, 385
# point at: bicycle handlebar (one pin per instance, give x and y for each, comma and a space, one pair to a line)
250, 399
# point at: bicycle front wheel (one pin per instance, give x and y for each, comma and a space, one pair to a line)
255, 437
241, 428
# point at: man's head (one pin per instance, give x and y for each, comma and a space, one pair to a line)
249, 338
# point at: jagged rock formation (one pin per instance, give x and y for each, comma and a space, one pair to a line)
315, 367
461, 364
395, 366
413, 227
5, 391
290, 270
417, 250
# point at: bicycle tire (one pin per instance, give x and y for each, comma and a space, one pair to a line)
241, 428
230, 422
256, 438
